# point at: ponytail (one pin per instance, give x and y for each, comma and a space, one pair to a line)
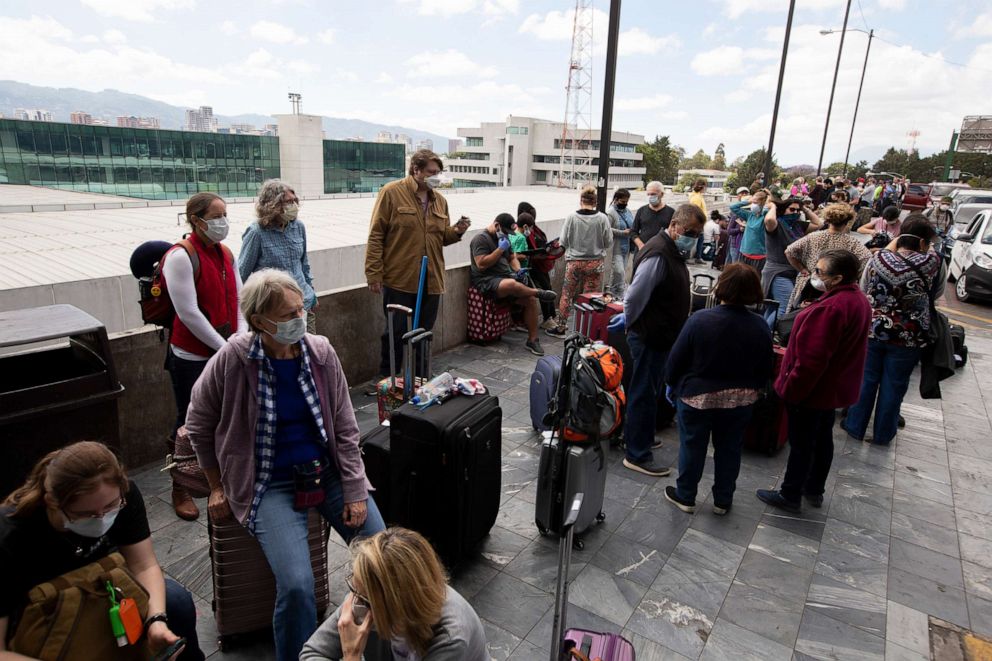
909, 242
64, 474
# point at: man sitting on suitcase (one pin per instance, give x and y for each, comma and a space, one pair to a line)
496, 273
656, 307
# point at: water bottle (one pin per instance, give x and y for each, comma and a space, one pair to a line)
436, 387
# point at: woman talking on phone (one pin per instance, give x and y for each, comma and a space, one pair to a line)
399, 606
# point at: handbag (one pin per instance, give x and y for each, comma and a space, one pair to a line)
937, 360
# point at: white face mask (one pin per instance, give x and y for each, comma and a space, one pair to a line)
654, 200
755, 208
217, 229
433, 181
817, 283
94, 528
289, 332
290, 212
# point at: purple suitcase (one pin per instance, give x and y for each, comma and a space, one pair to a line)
543, 382
605, 646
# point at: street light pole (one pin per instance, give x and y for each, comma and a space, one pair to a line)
767, 170
847, 154
606, 129
833, 87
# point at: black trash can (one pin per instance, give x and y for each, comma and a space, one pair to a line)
58, 385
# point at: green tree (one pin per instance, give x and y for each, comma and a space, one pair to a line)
661, 159
719, 158
685, 182
698, 161
748, 168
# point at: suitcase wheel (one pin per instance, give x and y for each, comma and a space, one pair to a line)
543, 531
578, 544
601, 517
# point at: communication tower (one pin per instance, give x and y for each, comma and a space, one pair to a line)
913, 135
576, 135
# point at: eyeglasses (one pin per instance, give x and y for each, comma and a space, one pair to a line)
117, 507
362, 601
793, 209
817, 271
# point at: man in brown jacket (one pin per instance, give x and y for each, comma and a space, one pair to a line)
410, 220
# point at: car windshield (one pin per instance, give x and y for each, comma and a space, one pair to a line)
974, 199
940, 190
917, 190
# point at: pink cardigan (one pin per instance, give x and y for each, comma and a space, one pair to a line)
223, 415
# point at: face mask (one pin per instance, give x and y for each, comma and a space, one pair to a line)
289, 332
433, 181
755, 208
685, 244
290, 212
217, 229
790, 217
94, 528
621, 206
654, 200
817, 283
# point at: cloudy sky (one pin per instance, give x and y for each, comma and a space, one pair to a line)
702, 72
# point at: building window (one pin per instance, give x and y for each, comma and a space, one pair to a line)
541, 176
473, 142
516, 130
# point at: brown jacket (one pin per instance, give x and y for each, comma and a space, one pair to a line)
399, 236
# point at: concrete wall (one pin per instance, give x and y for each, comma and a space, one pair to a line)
301, 152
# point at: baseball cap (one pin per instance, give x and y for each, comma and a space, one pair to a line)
743, 189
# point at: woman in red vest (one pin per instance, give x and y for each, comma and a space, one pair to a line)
207, 313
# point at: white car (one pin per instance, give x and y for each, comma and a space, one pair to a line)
971, 258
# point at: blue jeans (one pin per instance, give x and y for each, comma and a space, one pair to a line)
781, 290
282, 533
182, 618
695, 428
646, 382
618, 283
888, 369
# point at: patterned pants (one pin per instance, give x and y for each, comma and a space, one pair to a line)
581, 276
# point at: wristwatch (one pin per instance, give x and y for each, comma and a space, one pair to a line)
157, 617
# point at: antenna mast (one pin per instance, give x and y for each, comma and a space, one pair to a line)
575, 162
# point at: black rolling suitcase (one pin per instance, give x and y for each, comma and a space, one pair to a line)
375, 454
446, 472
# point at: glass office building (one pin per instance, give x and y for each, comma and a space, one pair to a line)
143, 163
361, 167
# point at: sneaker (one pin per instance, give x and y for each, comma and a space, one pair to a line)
902, 421
656, 444
549, 324
546, 295
775, 498
534, 347
815, 500
721, 510
517, 328
649, 467
671, 495
556, 332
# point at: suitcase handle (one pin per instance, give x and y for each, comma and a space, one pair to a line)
412, 339
561, 592
391, 311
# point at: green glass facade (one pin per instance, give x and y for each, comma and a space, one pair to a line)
143, 163
361, 167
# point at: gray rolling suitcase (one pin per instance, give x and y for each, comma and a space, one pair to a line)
566, 469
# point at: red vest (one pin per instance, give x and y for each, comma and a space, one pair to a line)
216, 296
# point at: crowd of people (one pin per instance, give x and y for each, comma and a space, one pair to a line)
265, 402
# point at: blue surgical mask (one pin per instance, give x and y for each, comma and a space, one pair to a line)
755, 208
654, 200
289, 332
685, 244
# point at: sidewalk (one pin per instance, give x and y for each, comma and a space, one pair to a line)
903, 537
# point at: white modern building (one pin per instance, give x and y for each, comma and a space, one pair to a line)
524, 151
33, 115
201, 120
715, 179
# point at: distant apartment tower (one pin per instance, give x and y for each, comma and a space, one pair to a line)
80, 117
426, 144
271, 130
524, 151
132, 122
247, 129
33, 115
384, 136
201, 120
454, 145
406, 140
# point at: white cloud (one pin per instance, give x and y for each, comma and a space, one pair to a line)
557, 25
979, 26
737, 8
114, 37
326, 36
500, 7
442, 7
89, 39
638, 42
259, 58
712, 29
383, 79
302, 67
643, 103
229, 28
892, 4
446, 64
346, 75
728, 60
136, 10
276, 33
672, 115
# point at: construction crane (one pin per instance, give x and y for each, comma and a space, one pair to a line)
576, 156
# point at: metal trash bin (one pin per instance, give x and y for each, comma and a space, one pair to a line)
62, 390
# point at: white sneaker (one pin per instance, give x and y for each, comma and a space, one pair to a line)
549, 324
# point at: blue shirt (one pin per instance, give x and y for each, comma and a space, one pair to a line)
284, 249
754, 233
297, 438
620, 220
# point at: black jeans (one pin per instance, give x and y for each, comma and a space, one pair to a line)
428, 315
542, 280
184, 374
811, 451
182, 619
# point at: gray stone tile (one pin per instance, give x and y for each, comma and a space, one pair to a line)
634, 562
537, 564
924, 562
860, 514
928, 596
941, 514
194, 572
206, 627
605, 594
923, 487
660, 531
682, 569
710, 552
774, 576
763, 613
625, 490
980, 611
975, 549
577, 618
512, 604
907, 450
822, 637
528, 652
501, 546
151, 480
977, 579
472, 576
908, 627
808, 524
847, 604
851, 569
849, 469
648, 650
729, 641
518, 517
179, 540
680, 616
973, 524
500, 643
867, 543
979, 503
734, 527
925, 534
933, 472
784, 545
896, 652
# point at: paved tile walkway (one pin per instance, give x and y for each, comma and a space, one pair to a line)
903, 536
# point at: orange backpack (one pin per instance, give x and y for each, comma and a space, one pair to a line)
594, 400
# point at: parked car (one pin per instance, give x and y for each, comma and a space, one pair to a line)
939, 189
916, 197
971, 258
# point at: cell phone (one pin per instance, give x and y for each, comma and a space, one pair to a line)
167, 653
358, 611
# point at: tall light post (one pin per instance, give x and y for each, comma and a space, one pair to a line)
767, 167
833, 87
871, 35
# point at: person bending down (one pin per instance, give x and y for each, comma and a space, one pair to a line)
399, 606
496, 273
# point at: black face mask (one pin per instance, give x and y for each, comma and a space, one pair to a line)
621, 206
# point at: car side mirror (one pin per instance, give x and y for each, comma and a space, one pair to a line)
964, 236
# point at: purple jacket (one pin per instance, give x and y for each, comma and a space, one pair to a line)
223, 415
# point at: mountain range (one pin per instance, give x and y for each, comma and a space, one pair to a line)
109, 104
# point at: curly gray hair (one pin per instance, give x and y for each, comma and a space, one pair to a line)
269, 205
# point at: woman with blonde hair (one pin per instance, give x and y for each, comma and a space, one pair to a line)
399, 606
586, 237
75, 508
278, 240
805, 253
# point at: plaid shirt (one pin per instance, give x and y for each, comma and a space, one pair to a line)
284, 249
265, 432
